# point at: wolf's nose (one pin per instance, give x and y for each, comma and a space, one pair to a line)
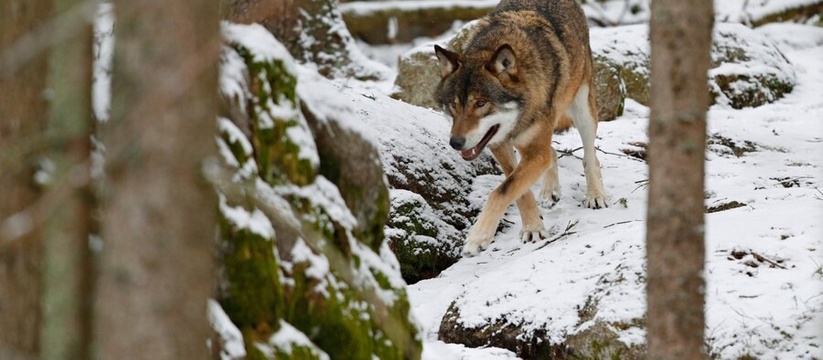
457, 142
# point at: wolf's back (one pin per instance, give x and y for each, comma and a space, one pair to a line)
566, 16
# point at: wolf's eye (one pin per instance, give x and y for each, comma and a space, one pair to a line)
480, 103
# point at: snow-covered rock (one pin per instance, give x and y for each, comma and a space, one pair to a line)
305, 271
747, 69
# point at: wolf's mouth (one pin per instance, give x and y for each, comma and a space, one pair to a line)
471, 154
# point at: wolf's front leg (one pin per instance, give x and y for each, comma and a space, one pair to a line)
533, 164
533, 228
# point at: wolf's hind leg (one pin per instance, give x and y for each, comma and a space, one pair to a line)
550, 193
583, 114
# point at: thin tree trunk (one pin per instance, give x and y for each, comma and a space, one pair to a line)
66, 329
680, 43
22, 123
158, 224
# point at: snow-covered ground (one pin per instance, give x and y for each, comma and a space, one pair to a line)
763, 271
764, 268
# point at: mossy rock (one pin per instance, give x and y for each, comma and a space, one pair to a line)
424, 244
397, 22
324, 274
748, 70
800, 13
595, 340
353, 164
342, 309
252, 294
610, 90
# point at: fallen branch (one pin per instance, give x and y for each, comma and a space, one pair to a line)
565, 232
620, 223
762, 258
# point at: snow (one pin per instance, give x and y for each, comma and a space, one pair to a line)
288, 336
768, 312
764, 294
253, 220
260, 43
103, 48
233, 346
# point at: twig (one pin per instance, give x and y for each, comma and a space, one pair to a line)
565, 232
621, 223
620, 155
568, 152
641, 183
762, 258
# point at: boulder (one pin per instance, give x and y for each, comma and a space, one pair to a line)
748, 70
304, 268
424, 244
527, 316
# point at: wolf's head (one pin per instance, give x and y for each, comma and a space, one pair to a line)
479, 94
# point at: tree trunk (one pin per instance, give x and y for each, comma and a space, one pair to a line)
680, 43
67, 292
22, 121
158, 225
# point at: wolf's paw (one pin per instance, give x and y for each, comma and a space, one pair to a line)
549, 197
596, 201
476, 242
532, 235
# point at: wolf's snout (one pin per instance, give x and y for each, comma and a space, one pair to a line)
457, 142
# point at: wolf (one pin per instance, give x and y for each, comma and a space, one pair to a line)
525, 71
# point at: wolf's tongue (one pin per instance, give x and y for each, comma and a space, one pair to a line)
469, 153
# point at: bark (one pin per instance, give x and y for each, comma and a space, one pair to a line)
22, 120
156, 268
680, 44
66, 329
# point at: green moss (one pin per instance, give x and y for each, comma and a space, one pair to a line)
252, 352
332, 322
297, 352
254, 298
236, 149
339, 312
278, 157
418, 259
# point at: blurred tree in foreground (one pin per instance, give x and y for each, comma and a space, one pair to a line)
148, 297
681, 34
23, 114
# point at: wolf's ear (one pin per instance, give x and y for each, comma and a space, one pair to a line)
503, 61
449, 61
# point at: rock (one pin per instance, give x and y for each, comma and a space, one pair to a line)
424, 244
382, 23
418, 74
748, 70
566, 329
304, 268
610, 90
626, 48
799, 13
353, 163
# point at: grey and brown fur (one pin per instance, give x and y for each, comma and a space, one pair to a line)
525, 72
